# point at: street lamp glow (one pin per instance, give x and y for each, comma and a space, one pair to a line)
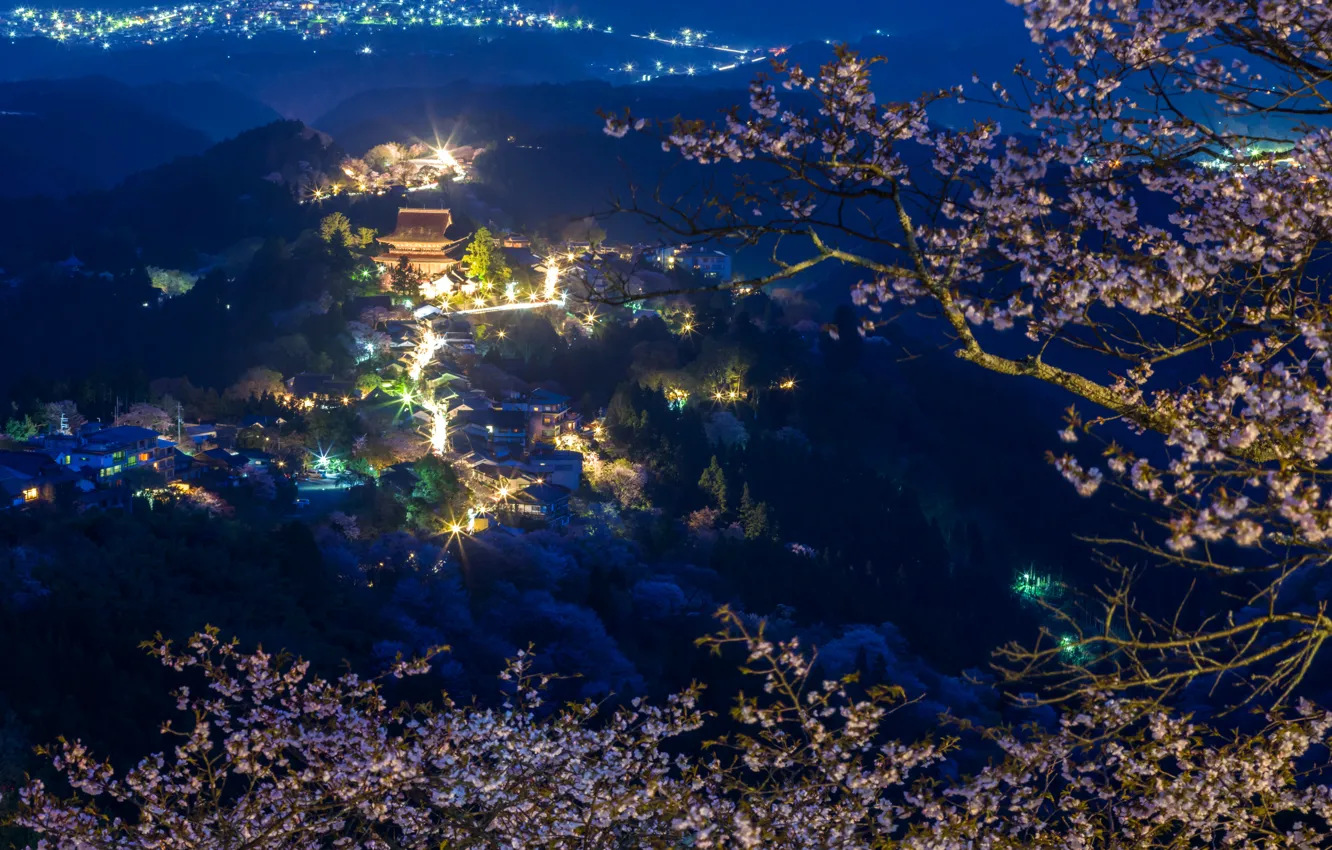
552, 279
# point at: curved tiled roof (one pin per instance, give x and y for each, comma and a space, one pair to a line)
417, 226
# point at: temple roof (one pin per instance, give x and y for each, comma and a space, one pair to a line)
420, 226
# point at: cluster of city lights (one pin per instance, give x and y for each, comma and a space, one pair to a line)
308, 19
298, 403
415, 167
247, 18
473, 297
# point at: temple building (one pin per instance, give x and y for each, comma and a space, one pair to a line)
420, 238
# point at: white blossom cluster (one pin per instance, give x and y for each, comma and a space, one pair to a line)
1167, 269
278, 758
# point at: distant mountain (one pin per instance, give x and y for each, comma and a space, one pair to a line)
471, 113
63, 136
209, 107
300, 79
176, 213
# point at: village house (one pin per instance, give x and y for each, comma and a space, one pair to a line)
33, 478
549, 414
324, 389
546, 504
708, 263
504, 430
564, 468
517, 494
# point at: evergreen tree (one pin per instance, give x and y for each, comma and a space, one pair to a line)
754, 517
21, 430
484, 259
713, 483
405, 281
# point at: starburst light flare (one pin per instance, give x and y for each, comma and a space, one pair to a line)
552, 279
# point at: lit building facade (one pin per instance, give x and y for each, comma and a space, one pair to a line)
710, 264
109, 453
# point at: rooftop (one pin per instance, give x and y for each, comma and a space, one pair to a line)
121, 435
235, 461
544, 493
419, 225
501, 420
28, 464
545, 396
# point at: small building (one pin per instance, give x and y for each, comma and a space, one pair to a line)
546, 504
400, 478
496, 428
200, 433
563, 468
550, 415
307, 385
31, 478
187, 468
229, 462
321, 388
255, 459
421, 239
708, 263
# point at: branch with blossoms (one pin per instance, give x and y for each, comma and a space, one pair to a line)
277, 759
1167, 270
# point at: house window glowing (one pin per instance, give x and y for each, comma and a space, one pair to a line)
144, 457
30, 495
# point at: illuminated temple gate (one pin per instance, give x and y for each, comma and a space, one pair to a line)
420, 238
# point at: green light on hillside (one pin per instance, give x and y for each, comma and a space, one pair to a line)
1031, 585
1071, 652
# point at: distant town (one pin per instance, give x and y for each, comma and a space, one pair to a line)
311, 20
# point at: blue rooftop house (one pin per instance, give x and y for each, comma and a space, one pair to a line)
108, 453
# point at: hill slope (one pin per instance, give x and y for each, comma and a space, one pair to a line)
65, 136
